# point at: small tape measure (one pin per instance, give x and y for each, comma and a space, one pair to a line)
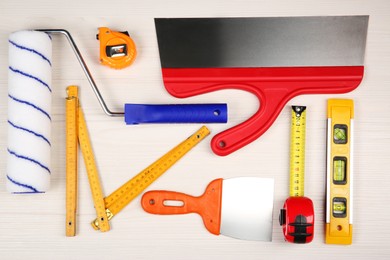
297, 215
117, 49
339, 189
89, 159
130, 190
71, 163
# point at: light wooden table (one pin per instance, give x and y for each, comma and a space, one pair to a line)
33, 226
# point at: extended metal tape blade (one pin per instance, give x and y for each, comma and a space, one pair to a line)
261, 42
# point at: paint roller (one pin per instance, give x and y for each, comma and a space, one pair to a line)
29, 112
29, 109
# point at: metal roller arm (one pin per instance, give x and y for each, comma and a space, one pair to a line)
85, 69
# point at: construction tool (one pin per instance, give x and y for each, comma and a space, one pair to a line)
110, 206
71, 104
297, 215
275, 58
142, 113
339, 173
89, 160
131, 189
237, 207
29, 113
117, 49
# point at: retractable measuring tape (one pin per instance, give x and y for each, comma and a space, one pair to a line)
117, 49
89, 159
297, 215
339, 172
115, 202
297, 151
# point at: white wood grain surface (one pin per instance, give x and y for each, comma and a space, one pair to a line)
33, 226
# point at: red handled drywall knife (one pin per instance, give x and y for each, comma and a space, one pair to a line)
275, 58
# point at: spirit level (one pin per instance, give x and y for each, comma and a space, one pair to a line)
339, 174
297, 215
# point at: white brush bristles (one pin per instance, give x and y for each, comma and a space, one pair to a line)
29, 112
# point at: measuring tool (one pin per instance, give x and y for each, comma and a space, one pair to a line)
106, 208
297, 215
71, 163
339, 174
76, 124
117, 49
131, 189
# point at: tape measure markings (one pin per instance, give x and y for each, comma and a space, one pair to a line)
89, 160
147, 172
93, 175
167, 161
131, 189
71, 163
297, 151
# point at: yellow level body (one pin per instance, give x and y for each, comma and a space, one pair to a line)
339, 186
297, 151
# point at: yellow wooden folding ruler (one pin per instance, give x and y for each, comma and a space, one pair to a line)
131, 189
108, 207
76, 129
339, 186
71, 163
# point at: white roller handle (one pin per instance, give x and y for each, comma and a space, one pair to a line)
29, 112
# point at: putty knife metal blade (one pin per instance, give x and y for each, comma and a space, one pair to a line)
261, 42
247, 205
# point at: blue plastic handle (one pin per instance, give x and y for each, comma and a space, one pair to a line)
183, 113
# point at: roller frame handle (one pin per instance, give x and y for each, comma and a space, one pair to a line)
181, 113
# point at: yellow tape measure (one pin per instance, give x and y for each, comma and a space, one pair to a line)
130, 190
339, 173
93, 175
71, 164
297, 151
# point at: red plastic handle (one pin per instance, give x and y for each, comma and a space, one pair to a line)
274, 87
